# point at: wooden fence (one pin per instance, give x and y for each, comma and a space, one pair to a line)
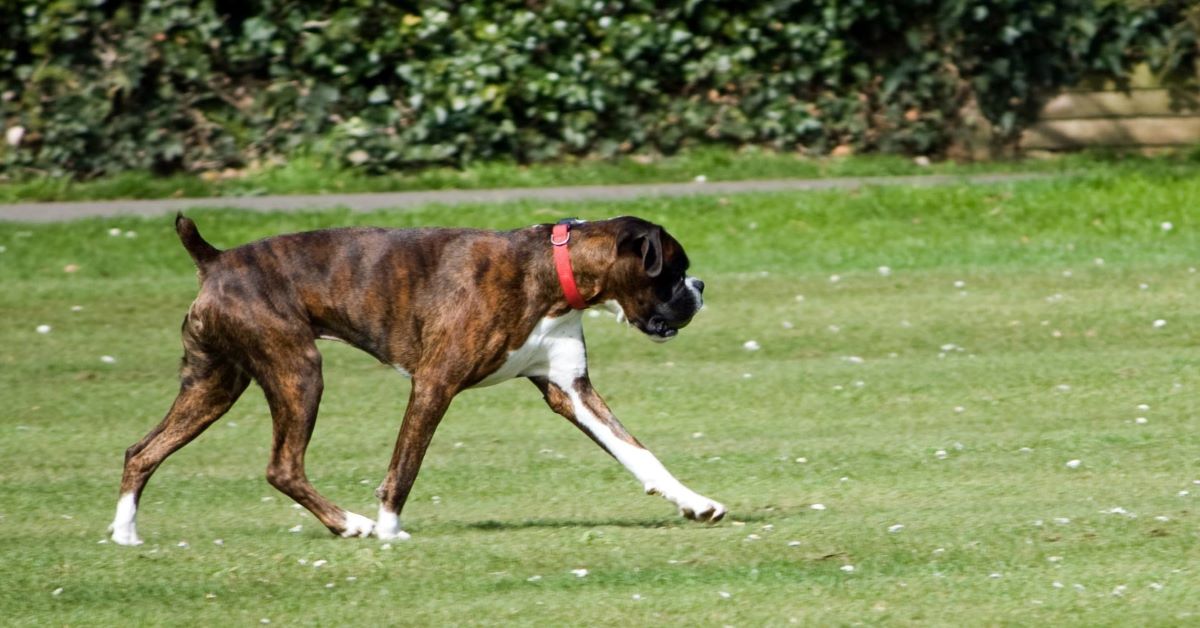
1147, 116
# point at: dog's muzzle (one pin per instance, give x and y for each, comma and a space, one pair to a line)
659, 329
675, 314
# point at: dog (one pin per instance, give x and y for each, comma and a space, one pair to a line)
451, 308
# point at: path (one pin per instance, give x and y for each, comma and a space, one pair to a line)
55, 212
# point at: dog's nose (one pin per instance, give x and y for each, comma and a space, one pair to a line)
699, 285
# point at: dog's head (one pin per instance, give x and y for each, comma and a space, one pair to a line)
647, 283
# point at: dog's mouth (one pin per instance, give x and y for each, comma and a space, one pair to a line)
657, 329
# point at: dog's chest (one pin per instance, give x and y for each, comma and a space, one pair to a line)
553, 349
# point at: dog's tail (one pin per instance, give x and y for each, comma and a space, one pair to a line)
201, 251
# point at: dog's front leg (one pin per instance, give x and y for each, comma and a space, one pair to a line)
426, 406
581, 404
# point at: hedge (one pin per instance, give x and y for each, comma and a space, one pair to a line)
90, 87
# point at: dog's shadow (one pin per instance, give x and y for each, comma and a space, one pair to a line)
530, 524
494, 525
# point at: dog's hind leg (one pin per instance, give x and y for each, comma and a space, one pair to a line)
293, 386
209, 386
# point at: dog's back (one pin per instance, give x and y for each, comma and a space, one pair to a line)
359, 285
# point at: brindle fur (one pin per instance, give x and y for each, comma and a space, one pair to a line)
446, 305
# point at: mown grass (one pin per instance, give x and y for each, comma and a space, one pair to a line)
312, 175
1041, 355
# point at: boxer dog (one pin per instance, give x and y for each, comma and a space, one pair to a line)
451, 308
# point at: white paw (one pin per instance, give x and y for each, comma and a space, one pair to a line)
393, 535
388, 528
700, 508
125, 534
357, 525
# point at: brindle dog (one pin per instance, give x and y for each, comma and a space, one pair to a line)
452, 308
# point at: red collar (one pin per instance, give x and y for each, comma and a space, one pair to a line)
559, 237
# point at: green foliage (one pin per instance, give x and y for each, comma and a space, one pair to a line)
167, 85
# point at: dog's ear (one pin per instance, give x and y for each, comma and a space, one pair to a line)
645, 240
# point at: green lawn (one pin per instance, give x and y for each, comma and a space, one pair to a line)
900, 398
310, 175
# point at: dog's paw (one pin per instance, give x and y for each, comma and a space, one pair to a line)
394, 535
388, 526
357, 525
702, 509
124, 535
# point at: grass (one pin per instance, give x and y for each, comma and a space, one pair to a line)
1042, 355
310, 175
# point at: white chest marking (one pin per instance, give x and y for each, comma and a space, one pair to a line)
554, 349
616, 310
